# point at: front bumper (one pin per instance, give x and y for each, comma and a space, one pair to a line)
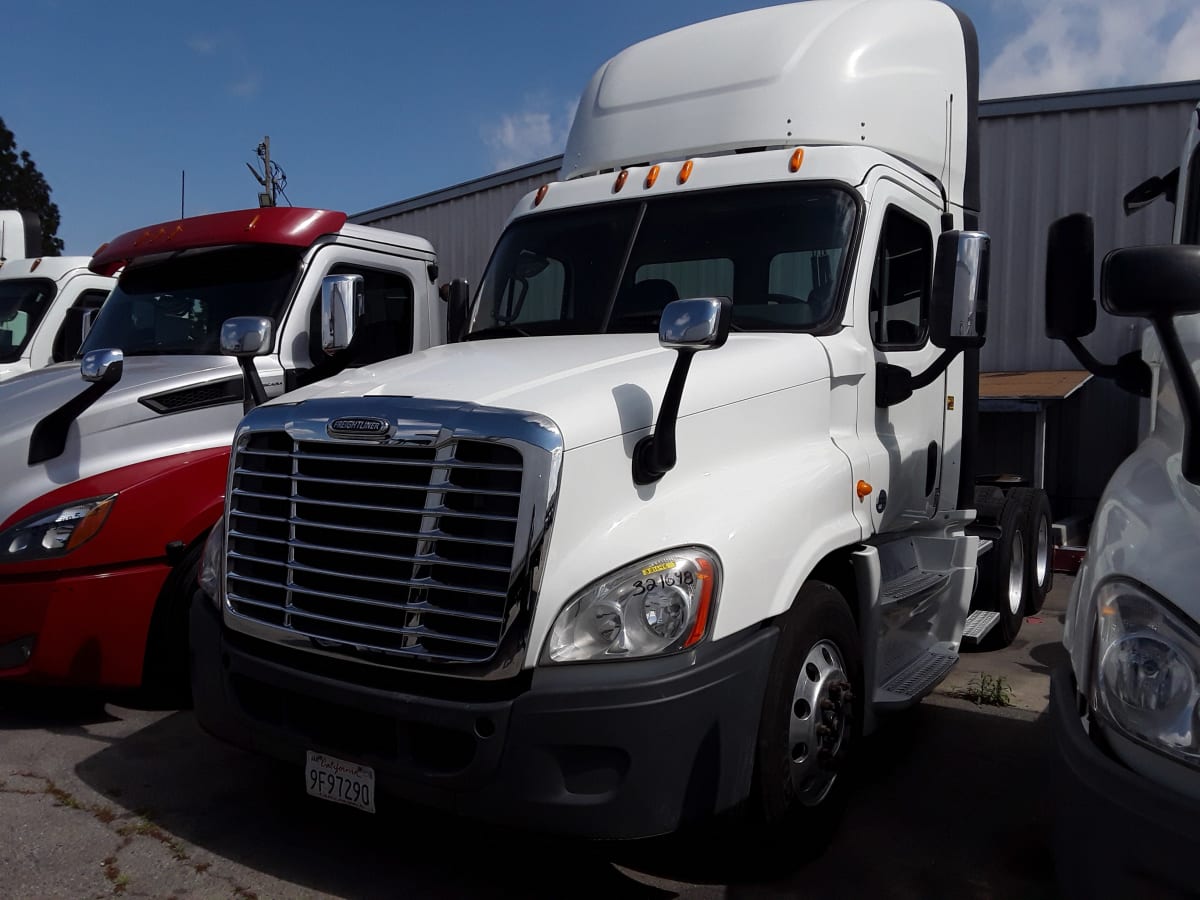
607, 750
1116, 833
87, 629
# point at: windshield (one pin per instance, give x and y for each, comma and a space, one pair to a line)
176, 306
776, 251
23, 302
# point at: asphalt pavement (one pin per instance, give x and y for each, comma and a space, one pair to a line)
102, 796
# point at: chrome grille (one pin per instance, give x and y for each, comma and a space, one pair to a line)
378, 547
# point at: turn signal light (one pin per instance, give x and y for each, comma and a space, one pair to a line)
797, 160
686, 172
863, 489
622, 177
540, 195
652, 176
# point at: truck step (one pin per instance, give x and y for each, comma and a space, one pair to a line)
979, 623
916, 679
911, 584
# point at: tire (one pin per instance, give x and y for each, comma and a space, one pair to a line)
815, 682
1039, 547
989, 503
166, 676
1003, 581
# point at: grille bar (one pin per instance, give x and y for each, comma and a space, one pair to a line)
380, 532
346, 482
432, 560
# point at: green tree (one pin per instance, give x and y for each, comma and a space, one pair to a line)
23, 187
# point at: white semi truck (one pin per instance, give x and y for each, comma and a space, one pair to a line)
113, 481
692, 503
1126, 709
47, 303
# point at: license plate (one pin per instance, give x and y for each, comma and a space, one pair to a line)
335, 779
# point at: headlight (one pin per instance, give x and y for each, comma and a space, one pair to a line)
658, 605
55, 532
210, 562
1147, 676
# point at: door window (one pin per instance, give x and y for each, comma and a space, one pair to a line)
900, 283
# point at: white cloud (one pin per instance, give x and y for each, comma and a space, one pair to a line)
1069, 46
202, 44
248, 86
523, 137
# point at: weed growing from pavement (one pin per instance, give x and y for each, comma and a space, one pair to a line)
987, 690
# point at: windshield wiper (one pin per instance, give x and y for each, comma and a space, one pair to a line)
493, 331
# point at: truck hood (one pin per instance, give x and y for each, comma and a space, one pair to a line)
592, 386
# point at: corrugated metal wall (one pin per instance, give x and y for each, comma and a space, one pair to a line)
1037, 167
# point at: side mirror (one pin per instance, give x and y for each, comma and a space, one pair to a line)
102, 366
687, 326
1151, 282
342, 303
86, 320
1159, 283
247, 337
958, 305
1070, 263
1150, 190
457, 296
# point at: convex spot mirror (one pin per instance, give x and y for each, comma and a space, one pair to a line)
1151, 282
86, 320
1070, 268
102, 366
958, 306
247, 336
697, 323
342, 302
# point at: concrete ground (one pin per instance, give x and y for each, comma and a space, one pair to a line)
100, 798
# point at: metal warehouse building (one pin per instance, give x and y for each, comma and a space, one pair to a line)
1041, 157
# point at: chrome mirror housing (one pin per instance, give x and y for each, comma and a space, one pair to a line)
247, 336
698, 323
102, 366
958, 306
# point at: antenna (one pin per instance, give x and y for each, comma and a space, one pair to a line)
947, 216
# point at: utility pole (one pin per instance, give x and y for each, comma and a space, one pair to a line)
266, 179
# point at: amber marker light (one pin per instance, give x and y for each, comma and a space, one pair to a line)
91, 523
706, 591
797, 160
863, 489
622, 177
540, 195
686, 172
253, 221
652, 176
37, 262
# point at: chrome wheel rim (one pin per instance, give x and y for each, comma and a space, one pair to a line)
1016, 574
818, 722
1042, 561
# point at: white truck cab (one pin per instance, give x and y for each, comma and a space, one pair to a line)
115, 462
47, 303
692, 502
1126, 709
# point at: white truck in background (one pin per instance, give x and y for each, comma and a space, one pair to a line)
692, 505
1126, 708
47, 303
113, 481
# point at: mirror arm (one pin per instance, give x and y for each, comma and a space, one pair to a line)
1129, 372
895, 384
654, 455
1189, 394
253, 392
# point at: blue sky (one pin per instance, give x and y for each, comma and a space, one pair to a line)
368, 103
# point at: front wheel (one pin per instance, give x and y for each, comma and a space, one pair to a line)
810, 720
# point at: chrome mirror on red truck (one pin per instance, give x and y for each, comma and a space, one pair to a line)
102, 366
247, 337
1159, 283
342, 303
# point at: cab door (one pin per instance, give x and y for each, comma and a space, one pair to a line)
911, 431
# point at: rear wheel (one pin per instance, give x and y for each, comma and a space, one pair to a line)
1039, 549
1003, 580
810, 721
